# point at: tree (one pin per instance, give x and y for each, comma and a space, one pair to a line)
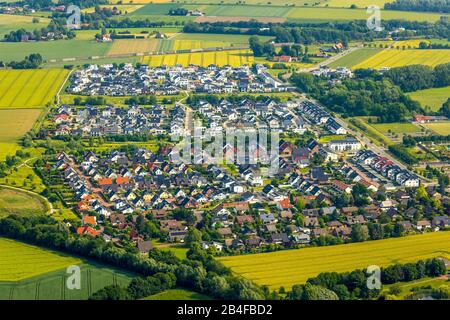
359, 233
311, 292
193, 236
256, 46
113, 292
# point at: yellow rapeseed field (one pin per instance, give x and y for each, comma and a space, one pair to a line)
127, 46
289, 267
198, 44
29, 88
234, 58
398, 58
20, 261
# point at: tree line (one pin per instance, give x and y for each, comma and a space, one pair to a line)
441, 6
353, 285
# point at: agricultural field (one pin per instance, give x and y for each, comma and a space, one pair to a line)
19, 261
178, 294
129, 46
29, 88
124, 8
358, 3
14, 123
19, 203
355, 57
431, 99
49, 280
442, 128
233, 58
336, 14
10, 23
398, 58
61, 49
289, 267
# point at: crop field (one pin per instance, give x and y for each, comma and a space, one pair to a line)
125, 8
19, 203
289, 267
197, 44
10, 23
48, 279
442, 128
29, 88
335, 14
355, 57
60, 49
398, 58
431, 99
127, 46
19, 260
358, 3
233, 58
14, 123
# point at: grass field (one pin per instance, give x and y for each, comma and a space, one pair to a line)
396, 127
178, 294
431, 99
232, 57
355, 57
406, 288
19, 261
442, 128
289, 267
398, 58
127, 46
61, 49
20, 203
10, 23
29, 88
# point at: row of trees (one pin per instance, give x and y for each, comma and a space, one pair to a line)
33, 61
354, 285
138, 288
419, 5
